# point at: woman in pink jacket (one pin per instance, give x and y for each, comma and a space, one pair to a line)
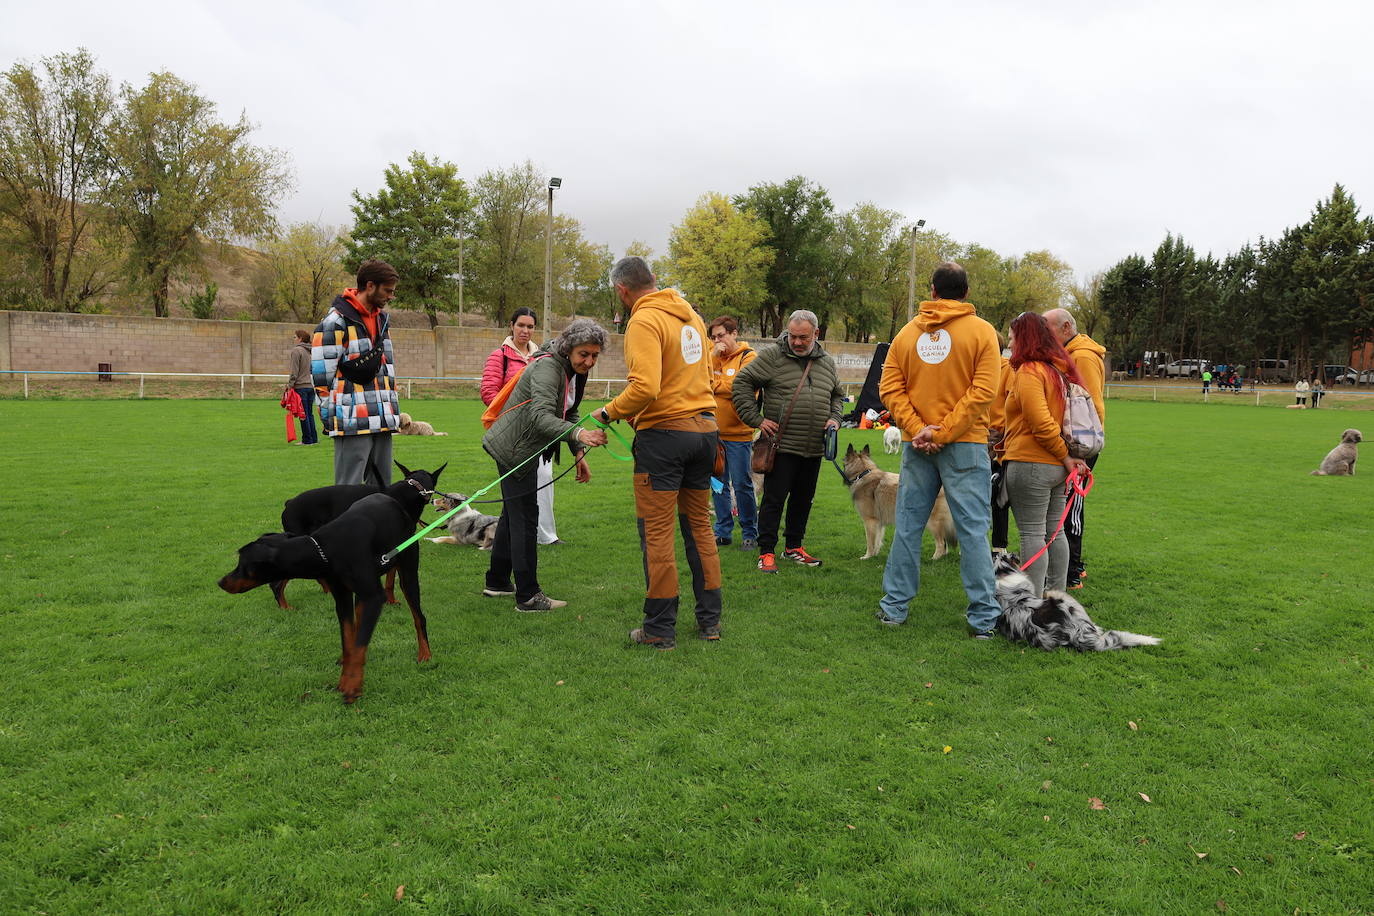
505, 362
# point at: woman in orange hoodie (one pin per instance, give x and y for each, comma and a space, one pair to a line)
1035, 458
728, 357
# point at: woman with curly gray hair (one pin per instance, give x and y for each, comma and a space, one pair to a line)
540, 413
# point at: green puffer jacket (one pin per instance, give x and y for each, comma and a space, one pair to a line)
777, 370
534, 415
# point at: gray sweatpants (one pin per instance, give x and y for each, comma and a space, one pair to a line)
352, 454
1036, 492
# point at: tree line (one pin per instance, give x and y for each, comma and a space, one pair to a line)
1304, 297
112, 193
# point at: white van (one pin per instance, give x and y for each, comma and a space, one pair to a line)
1273, 370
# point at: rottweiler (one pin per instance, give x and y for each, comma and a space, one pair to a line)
306, 512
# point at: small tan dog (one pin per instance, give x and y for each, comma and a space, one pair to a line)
411, 427
1340, 461
874, 492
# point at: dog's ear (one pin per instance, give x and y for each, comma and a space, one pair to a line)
866, 451
405, 471
437, 471
849, 449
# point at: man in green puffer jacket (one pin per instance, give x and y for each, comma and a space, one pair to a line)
777, 371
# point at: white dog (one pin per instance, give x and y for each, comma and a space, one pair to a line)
892, 440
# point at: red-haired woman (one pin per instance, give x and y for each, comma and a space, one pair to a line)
1035, 458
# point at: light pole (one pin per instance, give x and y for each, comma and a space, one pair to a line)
911, 280
548, 256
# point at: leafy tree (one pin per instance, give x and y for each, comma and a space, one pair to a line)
717, 257
53, 120
800, 220
179, 176
1087, 306
1333, 271
862, 269
507, 252
304, 270
414, 222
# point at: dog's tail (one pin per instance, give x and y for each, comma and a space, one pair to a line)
1119, 639
1318, 473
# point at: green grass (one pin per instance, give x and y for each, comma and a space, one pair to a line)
168, 748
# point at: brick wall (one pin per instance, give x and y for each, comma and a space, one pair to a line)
56, 342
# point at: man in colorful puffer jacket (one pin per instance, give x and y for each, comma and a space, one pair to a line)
359, 410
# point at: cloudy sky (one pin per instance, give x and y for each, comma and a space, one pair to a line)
1088, 128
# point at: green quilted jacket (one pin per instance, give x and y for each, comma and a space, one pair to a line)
777, 370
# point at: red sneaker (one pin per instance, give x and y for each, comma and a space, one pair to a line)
768, 563
799, 555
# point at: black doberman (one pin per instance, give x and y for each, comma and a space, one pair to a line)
346, 553
306, 512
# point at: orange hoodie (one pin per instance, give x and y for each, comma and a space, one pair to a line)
666, 363
942, 371
1090, 358
997, 416
723, 372
1035, 416
368, 315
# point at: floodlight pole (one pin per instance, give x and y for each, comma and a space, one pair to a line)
911, 280
548, 257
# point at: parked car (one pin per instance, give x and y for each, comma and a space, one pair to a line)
1340, 375
1186, 368
1367, 377
1274, 370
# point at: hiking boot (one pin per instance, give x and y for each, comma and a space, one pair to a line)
749, 544
888, 621
505, 591
539, 602
639, 637
710, 634
986, 634
768, 563
799, 555
723, 542
1073, 585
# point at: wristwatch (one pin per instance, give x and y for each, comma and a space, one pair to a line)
604, 417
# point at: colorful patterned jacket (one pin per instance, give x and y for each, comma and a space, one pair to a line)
347, 409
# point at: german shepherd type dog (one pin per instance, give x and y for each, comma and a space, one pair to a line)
1051, 622
874, 492
466, 527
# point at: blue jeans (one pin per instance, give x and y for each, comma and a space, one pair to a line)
962, 468
737, 478
308, 434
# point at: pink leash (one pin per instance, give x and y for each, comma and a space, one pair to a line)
1075, 484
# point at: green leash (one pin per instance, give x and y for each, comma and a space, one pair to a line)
391, 554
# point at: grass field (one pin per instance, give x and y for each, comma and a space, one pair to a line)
168, 748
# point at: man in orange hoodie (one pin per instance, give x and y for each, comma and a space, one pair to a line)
354, 373
668, 401
1091, 359
938, 381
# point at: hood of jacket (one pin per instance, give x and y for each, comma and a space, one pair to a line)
347, 305
665, 300
935, 315
1084, 342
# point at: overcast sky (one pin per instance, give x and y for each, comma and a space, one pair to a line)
1088, 128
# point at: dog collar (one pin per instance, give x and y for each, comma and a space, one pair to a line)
416, 484
319, 550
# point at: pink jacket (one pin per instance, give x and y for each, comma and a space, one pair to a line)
504, 362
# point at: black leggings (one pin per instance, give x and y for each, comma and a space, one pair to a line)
515, 548
793, 481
